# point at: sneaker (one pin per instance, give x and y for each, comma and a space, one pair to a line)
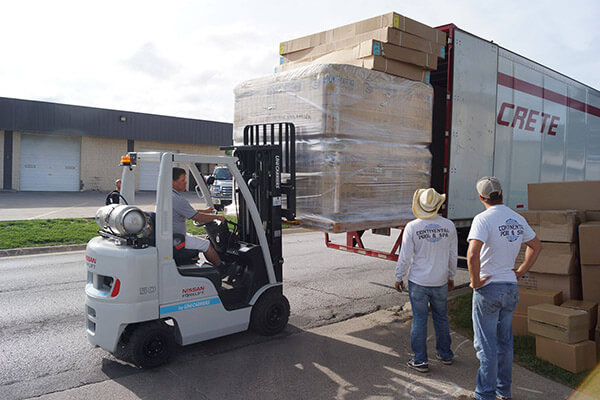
421, 367
500, 397
445, 362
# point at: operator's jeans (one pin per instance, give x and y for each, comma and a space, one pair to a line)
493, 307
421, 297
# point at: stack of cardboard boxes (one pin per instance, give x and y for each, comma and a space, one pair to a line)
565, 218
390, 43
589, 253
589, 250
359, 98
557, 267
562, 336
531, 297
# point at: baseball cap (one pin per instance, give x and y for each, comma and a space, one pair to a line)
488, 185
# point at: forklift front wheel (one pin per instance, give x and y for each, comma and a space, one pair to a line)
270, 313
151, 344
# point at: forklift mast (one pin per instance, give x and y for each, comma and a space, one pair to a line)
268, 154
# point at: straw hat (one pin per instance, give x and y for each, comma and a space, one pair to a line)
427, 202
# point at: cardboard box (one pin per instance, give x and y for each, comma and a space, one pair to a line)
560, 225
390, 51
386, 35
533, 219
519, 324
572, 357
557, 258
569, 285
376, 63
559, 323
589, 240
531, 296
531, 216
590, 279
590, 308
592, 215
564, 196
392, 20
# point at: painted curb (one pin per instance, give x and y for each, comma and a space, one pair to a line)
41, 250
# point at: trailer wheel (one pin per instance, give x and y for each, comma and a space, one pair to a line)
270, 314
151, 344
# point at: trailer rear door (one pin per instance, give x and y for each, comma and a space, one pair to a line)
473, 120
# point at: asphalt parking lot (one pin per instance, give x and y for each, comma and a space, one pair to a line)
49, 205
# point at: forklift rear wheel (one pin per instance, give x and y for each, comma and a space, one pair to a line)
270, 314
151, 344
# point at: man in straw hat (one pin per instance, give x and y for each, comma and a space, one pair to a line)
429, 249
494, 241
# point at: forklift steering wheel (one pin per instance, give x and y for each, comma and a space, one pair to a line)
212, 222
120, 196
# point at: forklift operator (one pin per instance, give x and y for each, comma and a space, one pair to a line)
182, 210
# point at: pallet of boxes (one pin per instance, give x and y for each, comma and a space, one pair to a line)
359, 98
558, 297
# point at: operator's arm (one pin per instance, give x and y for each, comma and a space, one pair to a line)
205, 218
474, 263
534, 247
404, 258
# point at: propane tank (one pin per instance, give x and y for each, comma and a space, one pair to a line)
121, 219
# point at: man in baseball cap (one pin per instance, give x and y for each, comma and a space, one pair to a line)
429, 249
494, 241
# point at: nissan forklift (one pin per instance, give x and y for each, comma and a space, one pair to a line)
146, 293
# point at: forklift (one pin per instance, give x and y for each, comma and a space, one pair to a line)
146, 293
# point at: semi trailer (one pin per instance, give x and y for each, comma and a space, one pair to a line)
497, 113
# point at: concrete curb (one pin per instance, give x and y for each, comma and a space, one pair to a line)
25, 251
41, 250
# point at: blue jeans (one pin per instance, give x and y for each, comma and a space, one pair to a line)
421, 298
493, 307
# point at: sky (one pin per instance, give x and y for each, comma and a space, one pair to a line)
183, 58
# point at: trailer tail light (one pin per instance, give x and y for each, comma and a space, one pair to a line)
520, 206
116, 288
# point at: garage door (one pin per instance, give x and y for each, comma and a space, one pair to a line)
148, 173
50, 163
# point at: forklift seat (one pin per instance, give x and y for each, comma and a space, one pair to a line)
201, 271
186, 262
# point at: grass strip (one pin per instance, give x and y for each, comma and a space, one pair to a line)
55, 232
459, 314
46, 232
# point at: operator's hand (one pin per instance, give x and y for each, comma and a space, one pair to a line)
400, 286
209, 210
479, 283
450, 285
220, 218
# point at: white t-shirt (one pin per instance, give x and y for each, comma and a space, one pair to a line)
502, 231
429, 248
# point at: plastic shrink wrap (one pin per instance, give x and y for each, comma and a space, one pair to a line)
362, 141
